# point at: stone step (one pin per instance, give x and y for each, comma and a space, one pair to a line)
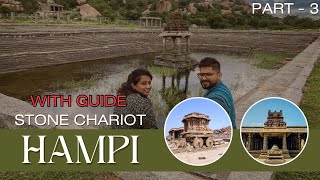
49, 44
23, 61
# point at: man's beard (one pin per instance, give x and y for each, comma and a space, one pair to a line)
206, 84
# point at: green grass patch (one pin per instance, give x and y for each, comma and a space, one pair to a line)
271, 60
58, 175
297, 175
310, 103
163, 70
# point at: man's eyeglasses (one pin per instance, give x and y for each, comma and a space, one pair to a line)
206, 75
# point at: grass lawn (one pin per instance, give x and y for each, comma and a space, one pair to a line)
297, 175
310, 103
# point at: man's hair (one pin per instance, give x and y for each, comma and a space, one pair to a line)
210, 62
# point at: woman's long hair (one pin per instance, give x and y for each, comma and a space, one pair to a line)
134, 78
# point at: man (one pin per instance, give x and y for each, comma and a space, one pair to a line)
210, 79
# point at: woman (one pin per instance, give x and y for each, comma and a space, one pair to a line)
137, 89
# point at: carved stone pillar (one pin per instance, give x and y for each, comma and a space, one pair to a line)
249, 142
164, 44
299, 139
265, 142
178, 43
58, 17
36, 16
174, 42
12, 16
284, 141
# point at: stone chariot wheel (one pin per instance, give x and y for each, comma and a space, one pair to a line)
210, 142
198, 142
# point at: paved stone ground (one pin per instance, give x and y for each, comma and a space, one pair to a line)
209, 156
287, 82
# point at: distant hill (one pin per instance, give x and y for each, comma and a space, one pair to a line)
217, 14
133, 9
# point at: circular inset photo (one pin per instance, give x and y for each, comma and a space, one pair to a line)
198, 131
274, 131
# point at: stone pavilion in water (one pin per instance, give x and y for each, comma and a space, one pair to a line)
176, 44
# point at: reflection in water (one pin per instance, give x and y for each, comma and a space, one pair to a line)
174, 93
103, 77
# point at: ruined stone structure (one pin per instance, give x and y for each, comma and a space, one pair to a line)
175, 133
196, 123
150, 21
164, 6
196, 131
176, 32
276, 141
49, 9
12, 4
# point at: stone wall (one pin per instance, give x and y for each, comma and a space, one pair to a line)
36, 46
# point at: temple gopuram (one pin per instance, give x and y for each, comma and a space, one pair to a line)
275, 142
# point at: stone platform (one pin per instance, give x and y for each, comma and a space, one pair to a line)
287, 82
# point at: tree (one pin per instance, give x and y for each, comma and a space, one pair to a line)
198, 19
103, 8
183, 3
4, 10
68, 5
216, 21
30, 6
290, 20
201, 8
306, 23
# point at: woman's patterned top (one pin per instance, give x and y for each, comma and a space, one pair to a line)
136, 104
